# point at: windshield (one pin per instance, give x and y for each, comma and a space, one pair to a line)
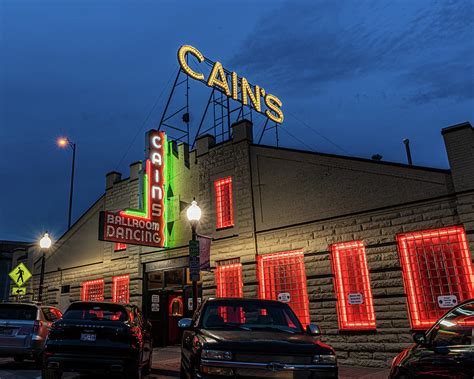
246, 315
456, 328
96, 312
18, 312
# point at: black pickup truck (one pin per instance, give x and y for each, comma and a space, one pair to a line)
247, 338
99, 338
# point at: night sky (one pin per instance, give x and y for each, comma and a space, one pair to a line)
355, 78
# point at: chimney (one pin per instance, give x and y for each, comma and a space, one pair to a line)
406, 141
459, 142
242, 130
135, 170
204, 143
111, 178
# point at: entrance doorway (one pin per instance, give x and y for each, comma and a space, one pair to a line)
167, 299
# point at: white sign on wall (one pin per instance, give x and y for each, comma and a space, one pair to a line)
190, 302
355, 298
284, 297
155, 307
155, 298
447, 301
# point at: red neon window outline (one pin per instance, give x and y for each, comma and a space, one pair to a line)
351, 280
285, 273
92, 290
224, 207
434, 263
229, 284
120, 246
121, 289
229, 278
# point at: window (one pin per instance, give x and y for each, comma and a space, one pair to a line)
224, 208
101, 312
120, 246
282, 277
437, 270
355, 307
229, 278
93, 290
120, 289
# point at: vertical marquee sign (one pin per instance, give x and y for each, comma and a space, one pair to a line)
144, 226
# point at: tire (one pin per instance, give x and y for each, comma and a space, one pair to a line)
147, 367
18, 358
50, 374
182, 373
136, 372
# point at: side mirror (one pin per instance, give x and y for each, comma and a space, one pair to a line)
185, 323
313, 330
420, 338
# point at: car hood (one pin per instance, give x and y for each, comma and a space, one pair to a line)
263, 341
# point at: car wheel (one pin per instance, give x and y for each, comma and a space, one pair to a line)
135, 372
39, 360
182, 373
147, 367
18, 359
50, 374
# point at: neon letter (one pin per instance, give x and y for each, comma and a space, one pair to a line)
219, 82
185, 49
274, 103
247, 92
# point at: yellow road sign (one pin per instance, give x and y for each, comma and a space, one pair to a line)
20, 274
19, 291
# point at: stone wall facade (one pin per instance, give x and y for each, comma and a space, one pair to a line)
369, 201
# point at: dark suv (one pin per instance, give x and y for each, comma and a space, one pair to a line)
99, 338
243, 338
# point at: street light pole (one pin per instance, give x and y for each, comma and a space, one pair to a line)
45, 244
43, 259
73, 147
194, 215
194, 281
63, 142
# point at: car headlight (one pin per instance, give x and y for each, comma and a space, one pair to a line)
216, 354
327, 359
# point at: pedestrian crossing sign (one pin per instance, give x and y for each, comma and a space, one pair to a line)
20, 274
19, 291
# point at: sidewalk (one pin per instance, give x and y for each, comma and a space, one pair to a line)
166, 361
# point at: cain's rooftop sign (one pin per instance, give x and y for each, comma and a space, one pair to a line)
230, 84
142, 226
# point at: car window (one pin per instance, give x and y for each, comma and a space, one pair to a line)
96, 312
18, 312
49, 314
455, 328
246, 315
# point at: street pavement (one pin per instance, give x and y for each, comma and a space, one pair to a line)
165, 366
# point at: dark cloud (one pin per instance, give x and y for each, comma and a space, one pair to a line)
335, 41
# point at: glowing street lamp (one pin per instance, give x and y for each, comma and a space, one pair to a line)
44, 243
194, 213
64, 142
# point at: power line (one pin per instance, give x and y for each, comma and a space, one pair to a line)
142, 125
317, 133
296, 138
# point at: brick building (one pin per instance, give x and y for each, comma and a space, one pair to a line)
368, 250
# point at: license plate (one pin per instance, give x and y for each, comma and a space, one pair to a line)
88, 337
